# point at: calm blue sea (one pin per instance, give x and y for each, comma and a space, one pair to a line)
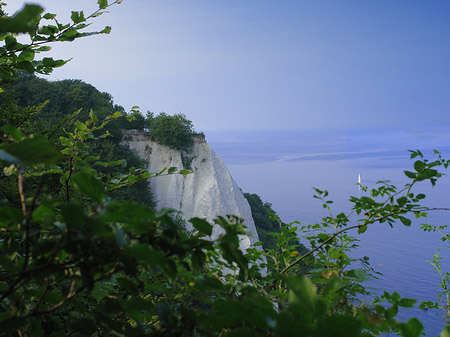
282, 167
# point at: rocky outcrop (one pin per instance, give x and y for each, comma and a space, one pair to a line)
207, 193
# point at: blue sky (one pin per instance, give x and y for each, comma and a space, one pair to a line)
259, 64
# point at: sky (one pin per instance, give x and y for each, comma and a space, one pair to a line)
269, 65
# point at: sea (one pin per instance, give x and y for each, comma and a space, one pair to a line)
282, 167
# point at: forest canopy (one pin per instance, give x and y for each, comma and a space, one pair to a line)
36, 105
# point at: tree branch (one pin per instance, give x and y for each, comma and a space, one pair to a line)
21, 194
71, 294
304, 256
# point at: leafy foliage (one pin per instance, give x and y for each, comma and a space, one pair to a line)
267, 222
174, 131
63, 98
76, 262
264, 223
42, 29
53, 109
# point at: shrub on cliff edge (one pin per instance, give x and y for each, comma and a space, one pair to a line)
174, 131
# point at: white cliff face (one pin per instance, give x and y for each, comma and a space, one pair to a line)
209, 192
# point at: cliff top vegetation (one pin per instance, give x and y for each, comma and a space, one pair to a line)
175, 131
267, 223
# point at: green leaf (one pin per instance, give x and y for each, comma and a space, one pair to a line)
53, 297
405, 221
251, 309
395, 297
414, 154
97, 14
138, 303
412, 328
302, 291
185, 172
50, 62
207, 282
102, 4
105, 30
410, 174
172, 170
201, 225
89, 186
116, 114
429, 173
110, 163
407, 302
66, 142
367, 200
82, 26
362, 229
73, 216
49, 16
12, 131
26, 55
10, 215
402, 201
144, 252
49, 30
127, 284
232, 253
77, 17
129, 213
69, 35
27, 66
429, 305
391, 312
43, 213
445, 332
419, 166
31, 151
161, 172
340, 325
5, 72
198, 259
357, 274
24, 21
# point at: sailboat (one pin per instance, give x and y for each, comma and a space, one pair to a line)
359, 178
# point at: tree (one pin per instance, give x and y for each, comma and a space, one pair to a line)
174, 131
36, 105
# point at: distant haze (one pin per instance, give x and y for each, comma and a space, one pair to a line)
260, 64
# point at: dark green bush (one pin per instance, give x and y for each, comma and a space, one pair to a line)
175, 131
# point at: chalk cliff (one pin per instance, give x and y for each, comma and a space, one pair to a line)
207, 193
